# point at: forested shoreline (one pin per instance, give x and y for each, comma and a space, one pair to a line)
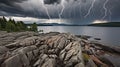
16, 26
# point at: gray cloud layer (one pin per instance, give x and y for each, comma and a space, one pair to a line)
75, 9
52, 1
10, 2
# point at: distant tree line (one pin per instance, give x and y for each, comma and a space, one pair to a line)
15, 26
108, 24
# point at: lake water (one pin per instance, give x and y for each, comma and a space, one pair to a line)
108, 35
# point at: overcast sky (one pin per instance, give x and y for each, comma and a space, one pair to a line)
62, 11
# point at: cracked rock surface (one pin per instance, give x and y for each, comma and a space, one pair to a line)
29, 49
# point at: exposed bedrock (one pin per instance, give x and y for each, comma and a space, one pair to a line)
28, 49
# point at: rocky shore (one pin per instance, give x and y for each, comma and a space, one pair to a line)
54, 49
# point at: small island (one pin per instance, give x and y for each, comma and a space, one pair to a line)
108, 24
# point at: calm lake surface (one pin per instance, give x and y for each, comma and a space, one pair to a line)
108, 35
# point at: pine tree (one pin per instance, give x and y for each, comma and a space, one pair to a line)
0, 27
21, 26
3, 23
4, 19
10, 27
33, 27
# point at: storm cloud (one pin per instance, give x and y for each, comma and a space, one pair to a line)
73, 9
10, 7
10, 2
52, 1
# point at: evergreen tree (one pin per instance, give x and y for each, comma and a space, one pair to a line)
3, 23
13, 21
33, 27
10, 27
4, 19
0, 26
21, 26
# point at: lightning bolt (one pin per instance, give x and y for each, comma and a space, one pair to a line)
79, 4
89, 10
110, 13
104, 7
61, 12
46, 10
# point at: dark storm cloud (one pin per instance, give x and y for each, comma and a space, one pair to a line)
10, 2
58, 1
10, 7
72, 10
52, 1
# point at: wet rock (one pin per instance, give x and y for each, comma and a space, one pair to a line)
90, 63
83, 36
112, 60
112, 49
97, 38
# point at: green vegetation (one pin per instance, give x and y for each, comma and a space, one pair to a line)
85, 57
33, 27
109, 24
15, 26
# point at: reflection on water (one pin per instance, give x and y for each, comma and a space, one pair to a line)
108, 35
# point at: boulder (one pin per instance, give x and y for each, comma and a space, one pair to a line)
3, 49
28, 41
112, 60
24, 60
13, 61
112, 49
49, 63
27, 49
